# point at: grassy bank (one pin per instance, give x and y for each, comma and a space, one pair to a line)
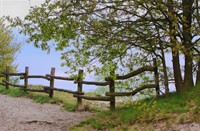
148, 114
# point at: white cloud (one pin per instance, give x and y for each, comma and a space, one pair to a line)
18, 8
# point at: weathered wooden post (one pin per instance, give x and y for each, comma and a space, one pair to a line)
7, 76
80, 86
112, 90
52, 82
156, 76
26, 77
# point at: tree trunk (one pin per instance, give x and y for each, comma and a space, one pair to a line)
198, 75
188, 77
177, 71
187, 42
175, 52
162, 57
166, 84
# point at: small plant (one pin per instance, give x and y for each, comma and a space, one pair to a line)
70, 107
84, 107
86, 122
98, 126
17, 93
124, 128
181, 119
196, 111
14, 92
15, 80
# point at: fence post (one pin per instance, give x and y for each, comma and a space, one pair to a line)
80, 85
156, 76
112, 90
52, 82
7, 76
26, 77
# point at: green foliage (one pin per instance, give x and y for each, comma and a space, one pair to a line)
15, 80
105, 39
14, 92
8, 49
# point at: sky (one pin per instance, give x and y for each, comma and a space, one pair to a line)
38, 61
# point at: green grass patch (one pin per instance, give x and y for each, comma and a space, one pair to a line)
43, 99
14, 92
86, 122
70, 106
176, 103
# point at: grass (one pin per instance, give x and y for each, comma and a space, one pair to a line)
133, 115
14, 92
70, 106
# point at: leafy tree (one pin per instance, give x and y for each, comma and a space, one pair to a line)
112, 32
8, 48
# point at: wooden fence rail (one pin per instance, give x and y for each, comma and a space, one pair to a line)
92, 83
136, 72
79, 94
35, 76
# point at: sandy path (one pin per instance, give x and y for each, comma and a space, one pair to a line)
21, 114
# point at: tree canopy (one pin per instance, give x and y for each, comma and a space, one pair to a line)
8, 48
103, 35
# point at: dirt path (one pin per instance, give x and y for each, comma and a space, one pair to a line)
21, 114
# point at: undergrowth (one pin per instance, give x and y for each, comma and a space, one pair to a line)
14, 92
177, 108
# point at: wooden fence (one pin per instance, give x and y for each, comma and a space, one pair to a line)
79, 94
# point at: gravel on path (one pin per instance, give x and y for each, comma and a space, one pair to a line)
22, 114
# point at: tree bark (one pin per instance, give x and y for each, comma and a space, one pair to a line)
187, 42
166, 84
175, 52
177, 71
188, 77
198, 75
